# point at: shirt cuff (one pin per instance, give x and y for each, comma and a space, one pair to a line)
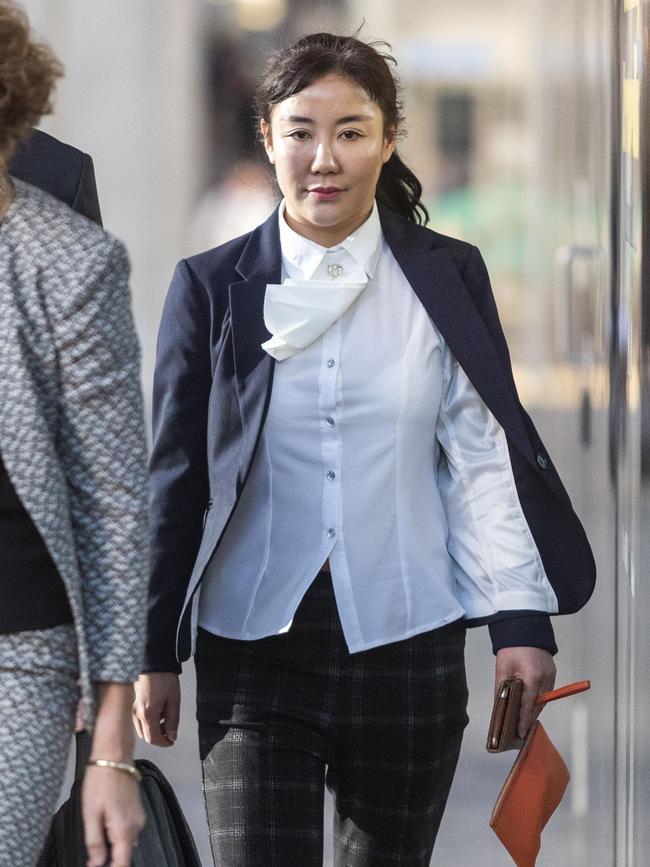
525, 630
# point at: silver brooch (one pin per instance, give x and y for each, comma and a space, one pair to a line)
334, 271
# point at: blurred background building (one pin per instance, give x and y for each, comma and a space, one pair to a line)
525, 124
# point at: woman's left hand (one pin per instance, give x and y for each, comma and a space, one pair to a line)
536, 668
112, 812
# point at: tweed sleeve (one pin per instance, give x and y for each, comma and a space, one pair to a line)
102, 449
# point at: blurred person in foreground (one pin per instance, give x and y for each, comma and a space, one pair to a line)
73, 549
342, 480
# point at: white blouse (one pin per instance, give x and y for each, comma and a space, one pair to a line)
378, 453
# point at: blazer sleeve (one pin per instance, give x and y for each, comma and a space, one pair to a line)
511, 626
497, 568
179, 466
101, 444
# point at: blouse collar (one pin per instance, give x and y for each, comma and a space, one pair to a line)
301, 257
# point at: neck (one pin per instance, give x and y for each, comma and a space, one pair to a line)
327, 236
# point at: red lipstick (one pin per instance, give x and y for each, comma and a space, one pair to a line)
325, 193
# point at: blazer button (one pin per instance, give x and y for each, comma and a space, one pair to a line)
542, 463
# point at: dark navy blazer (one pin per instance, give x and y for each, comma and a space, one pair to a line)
212, 387
59, 169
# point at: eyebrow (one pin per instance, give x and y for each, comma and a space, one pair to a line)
349, 118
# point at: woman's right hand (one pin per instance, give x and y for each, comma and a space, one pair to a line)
157, 706
112, 812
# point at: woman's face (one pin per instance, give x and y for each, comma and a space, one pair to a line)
328, 146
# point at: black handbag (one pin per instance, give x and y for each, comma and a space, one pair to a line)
165, 840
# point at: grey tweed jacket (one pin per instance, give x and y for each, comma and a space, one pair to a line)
71, 422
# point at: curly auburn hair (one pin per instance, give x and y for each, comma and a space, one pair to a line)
28, 73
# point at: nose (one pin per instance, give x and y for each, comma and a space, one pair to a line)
324, 161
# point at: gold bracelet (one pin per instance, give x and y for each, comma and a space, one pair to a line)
119, 766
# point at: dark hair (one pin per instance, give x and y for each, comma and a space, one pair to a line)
290, 70
28, 72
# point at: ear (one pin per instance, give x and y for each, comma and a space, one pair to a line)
265, 129
390, 142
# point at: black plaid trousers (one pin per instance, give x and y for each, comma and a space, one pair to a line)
281, 717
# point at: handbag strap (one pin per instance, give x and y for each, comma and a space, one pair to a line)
563, 691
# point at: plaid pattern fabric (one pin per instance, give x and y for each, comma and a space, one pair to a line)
38, 698
281, 717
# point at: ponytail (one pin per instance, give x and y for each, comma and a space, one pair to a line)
400, 191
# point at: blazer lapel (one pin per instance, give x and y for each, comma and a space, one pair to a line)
259, 264
437, 283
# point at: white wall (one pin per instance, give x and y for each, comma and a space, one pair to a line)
130, 98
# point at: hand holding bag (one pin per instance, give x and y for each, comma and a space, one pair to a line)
534, 787
165, 840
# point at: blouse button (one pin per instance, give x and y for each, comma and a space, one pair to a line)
331, 532
331, 362
331, 475
330, 421
542, 463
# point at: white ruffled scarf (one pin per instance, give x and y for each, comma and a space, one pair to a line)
297, 312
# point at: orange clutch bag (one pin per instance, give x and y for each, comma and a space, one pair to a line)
533, 789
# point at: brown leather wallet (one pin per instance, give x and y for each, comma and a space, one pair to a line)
502, 733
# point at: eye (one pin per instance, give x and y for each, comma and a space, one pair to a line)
299, 135
350, 134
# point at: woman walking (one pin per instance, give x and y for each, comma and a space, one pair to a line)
343, 479
73, 552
